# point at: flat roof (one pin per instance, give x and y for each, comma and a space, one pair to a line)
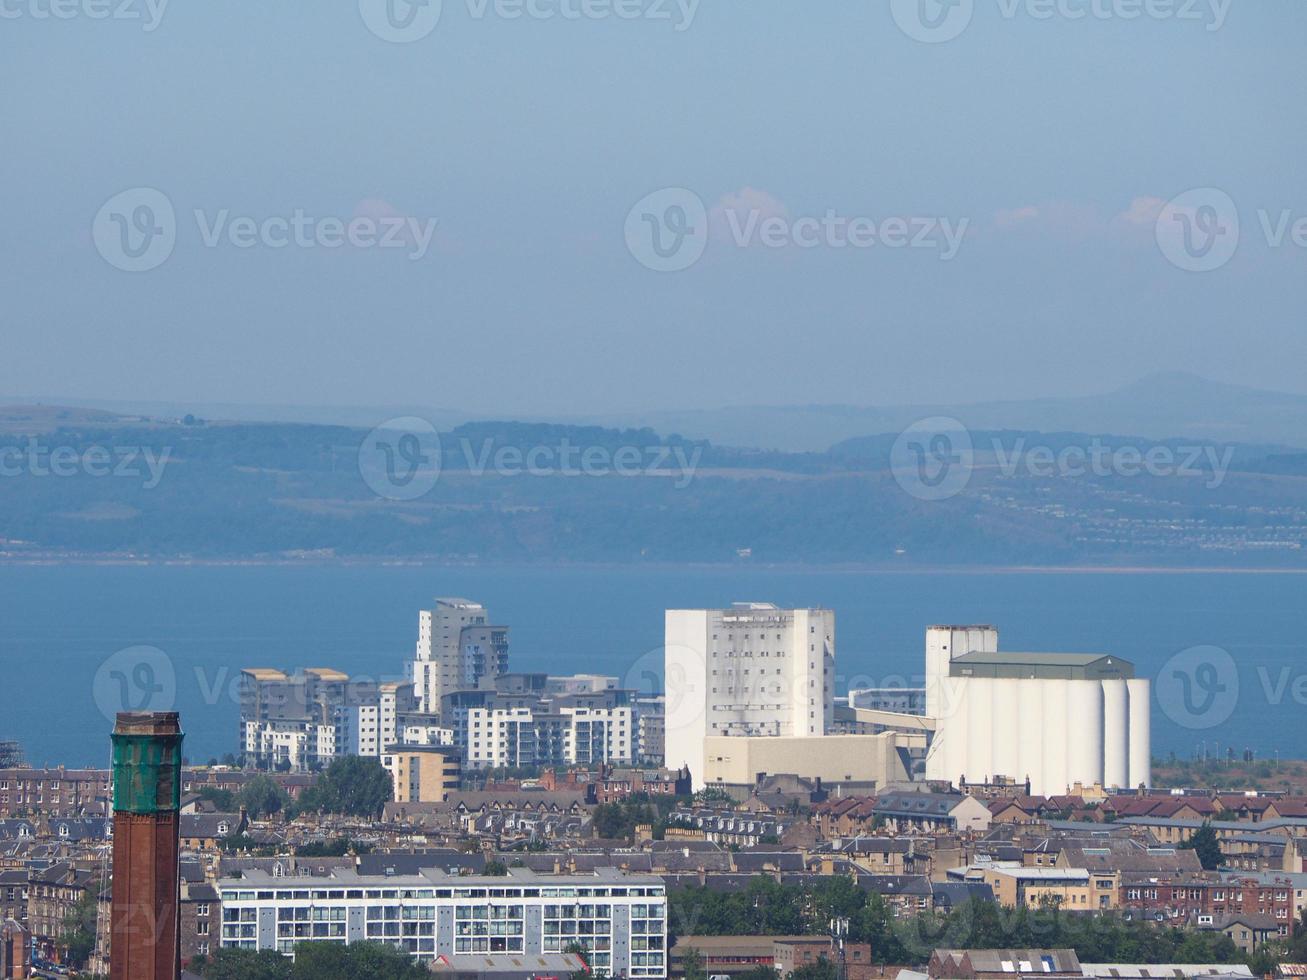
1072, 666
1051, 659
426, 877
326, 673
264, 673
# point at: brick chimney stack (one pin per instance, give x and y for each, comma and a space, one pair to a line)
147, 770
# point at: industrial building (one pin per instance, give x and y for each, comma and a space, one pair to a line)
1057, 719
753, 670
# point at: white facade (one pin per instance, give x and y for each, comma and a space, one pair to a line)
595, 735
449, 656
426, 734
1056, 719
522, 736
620, 920
293, 743
751, 670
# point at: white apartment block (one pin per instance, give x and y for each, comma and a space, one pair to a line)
499, 738
289, 744
619, 920
457, 648
595, 735
425, 733
507, 737
359, 730
751, 670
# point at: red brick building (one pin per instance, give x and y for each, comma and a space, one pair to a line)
1203, 897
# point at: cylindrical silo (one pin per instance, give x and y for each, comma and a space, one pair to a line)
980, 728
1056, 706
1031, 726
1141, 733
1007, 731
1116, 734
1085, 735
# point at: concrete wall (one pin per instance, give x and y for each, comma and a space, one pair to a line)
833, 758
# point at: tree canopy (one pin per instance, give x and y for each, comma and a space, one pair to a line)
352, 786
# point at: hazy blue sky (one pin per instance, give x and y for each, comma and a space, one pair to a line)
529, 140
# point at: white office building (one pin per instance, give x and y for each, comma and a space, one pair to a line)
620, 920
1058, 719
753, 670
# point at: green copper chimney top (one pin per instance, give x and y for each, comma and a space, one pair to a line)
147, 763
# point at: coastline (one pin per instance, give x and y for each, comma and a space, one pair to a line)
859, 568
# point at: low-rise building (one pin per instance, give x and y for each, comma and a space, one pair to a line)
620, 920
901, 812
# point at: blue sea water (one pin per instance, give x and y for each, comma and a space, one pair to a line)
61, 627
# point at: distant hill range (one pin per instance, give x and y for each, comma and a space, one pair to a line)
1173, 405
80, 482
1161, 406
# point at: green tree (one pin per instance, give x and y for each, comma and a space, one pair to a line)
373, 961
1208, 846
823, 969
352, 786
263, 797
495, 868
223, 800
77, 932
692, 965
244, 964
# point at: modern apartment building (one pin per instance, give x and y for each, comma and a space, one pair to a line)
753, 670
620, 920
422, 773
578, 729
457, 648
305, 720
